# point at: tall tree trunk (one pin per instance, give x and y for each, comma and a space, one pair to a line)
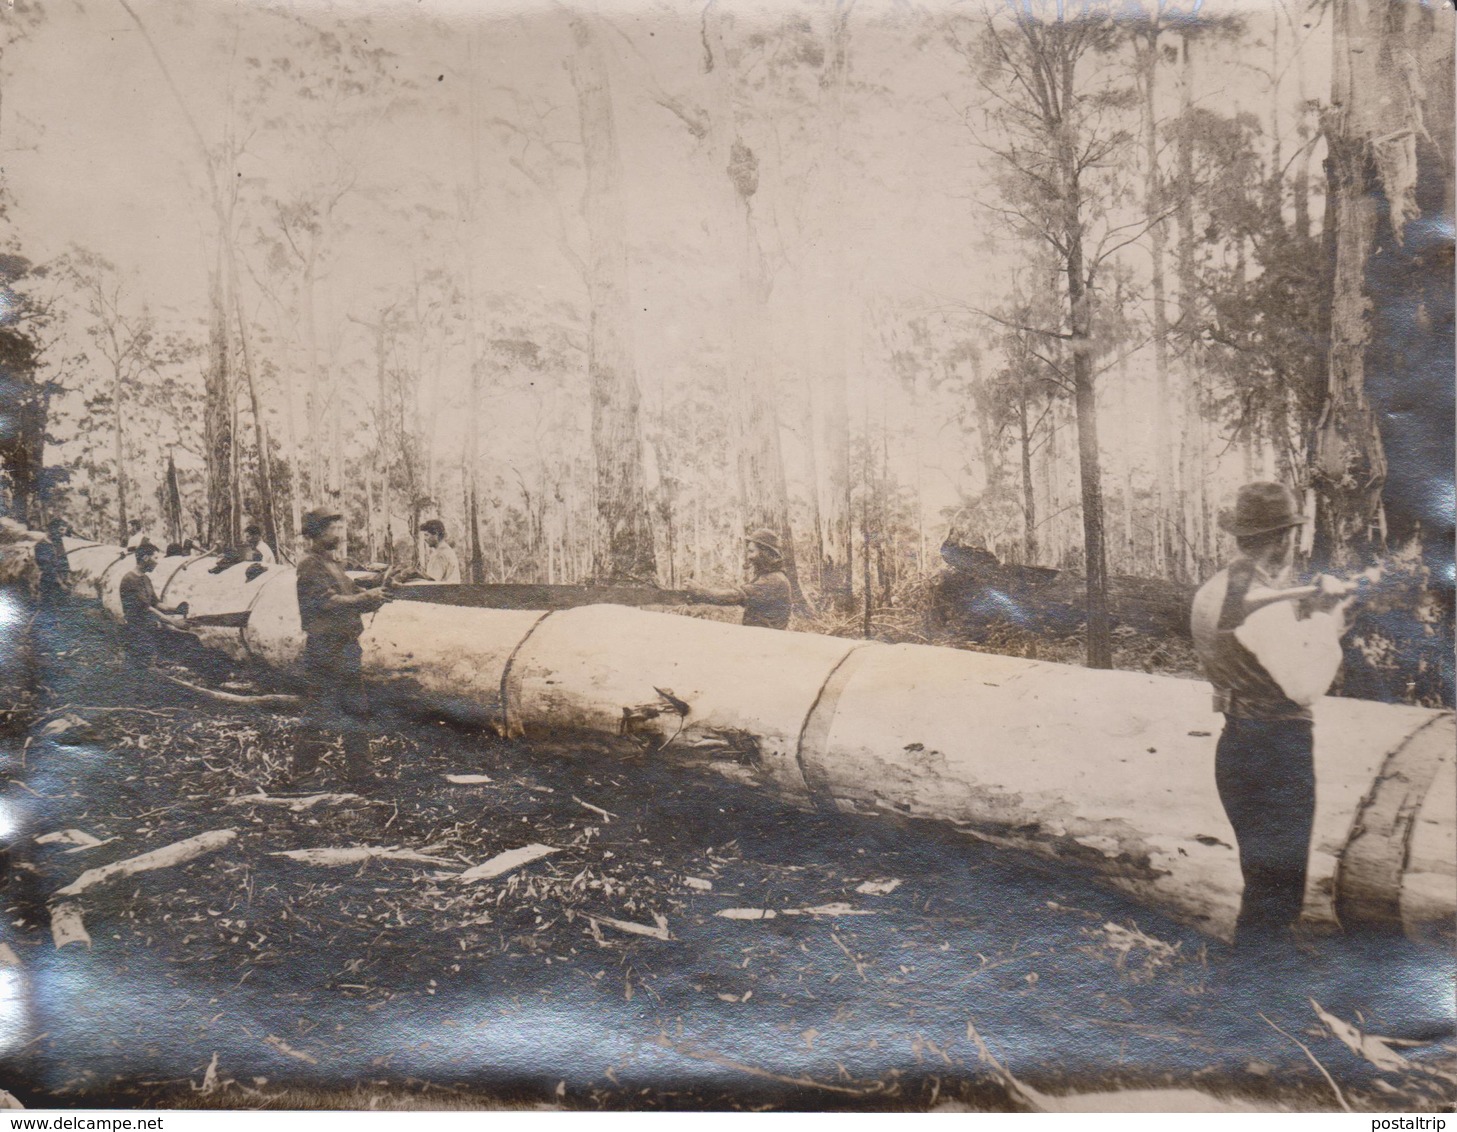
1168, 520
295, 468
317, 384
265, 475
1090, 472
470, 466
1388, 136
868, 588
837, 564
812, 460
218, 418
625, 546
121, 461
1029, 491
1193, 487
762, 488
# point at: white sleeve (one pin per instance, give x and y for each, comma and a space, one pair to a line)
452, 568
1303, 657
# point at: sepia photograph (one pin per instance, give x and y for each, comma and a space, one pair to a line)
812, 555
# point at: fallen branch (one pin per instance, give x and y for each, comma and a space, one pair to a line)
270, 700
754, 1071
358, 854
1306, 1049
606, 816
506, 862
77, 837
178, 853
1021, 1093
659, 932
297, 805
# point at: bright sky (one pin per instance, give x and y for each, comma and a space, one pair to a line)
97, 152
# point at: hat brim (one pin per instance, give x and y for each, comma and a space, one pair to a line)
1242, 531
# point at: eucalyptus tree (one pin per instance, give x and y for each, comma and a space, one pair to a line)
1055, 101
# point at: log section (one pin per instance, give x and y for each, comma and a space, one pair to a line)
1115, 769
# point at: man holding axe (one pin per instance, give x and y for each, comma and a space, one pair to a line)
1270, 650
330, 607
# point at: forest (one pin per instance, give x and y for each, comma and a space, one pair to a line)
985, 309
603, 290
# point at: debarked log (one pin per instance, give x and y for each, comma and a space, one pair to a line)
1114, 769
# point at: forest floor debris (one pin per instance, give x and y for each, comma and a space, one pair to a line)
401, 986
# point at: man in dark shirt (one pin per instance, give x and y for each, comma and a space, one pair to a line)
767, 598
54, 567
330, 607
142, 611
1270, 652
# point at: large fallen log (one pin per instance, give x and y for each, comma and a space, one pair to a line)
1114, 769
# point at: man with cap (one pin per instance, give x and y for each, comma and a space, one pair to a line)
441, 564
1270, 650
767, 598
330, 607
142, 611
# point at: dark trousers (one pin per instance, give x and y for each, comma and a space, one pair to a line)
1265, 772
334, 704
140, 643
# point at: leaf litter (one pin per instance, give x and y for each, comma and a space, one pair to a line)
591, 890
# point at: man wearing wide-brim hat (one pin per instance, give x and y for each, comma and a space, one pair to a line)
1270, 651
330, 607
767, 597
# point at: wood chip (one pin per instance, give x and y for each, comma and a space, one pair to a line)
8, 958
178, 853
698, 883
67, 724
659, 932
357, 855
607, 815
746, 913
506, 862
878, 887
67, 925
836, 909
283, 1047
70, 837
1373, 1049
468, 779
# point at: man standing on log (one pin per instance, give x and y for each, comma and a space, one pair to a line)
766, 599
330, 607
1270, 651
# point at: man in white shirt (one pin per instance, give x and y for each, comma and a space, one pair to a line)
1270, 651
441, 563
255, 548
